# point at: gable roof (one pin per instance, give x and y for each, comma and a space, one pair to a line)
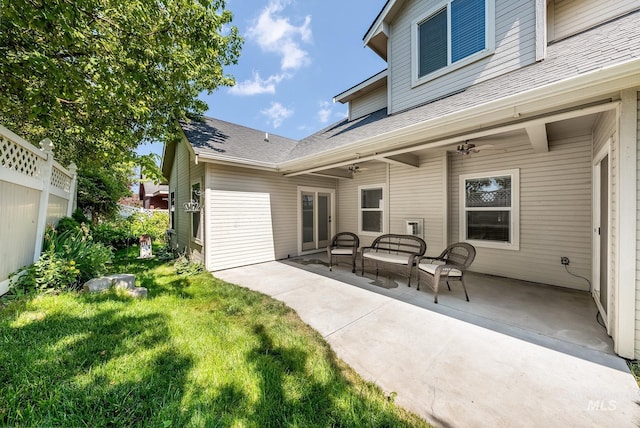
217, 139
596, 56
595, 50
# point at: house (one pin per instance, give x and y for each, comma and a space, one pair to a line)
154, 196
510, 124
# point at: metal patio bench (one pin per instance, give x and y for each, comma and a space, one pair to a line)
396, 253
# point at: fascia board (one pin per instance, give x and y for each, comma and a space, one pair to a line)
598, 82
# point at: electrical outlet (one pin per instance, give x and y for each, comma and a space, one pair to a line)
564, 261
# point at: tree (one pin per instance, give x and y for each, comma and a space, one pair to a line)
98, 77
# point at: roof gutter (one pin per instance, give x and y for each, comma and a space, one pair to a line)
583, 87
235, 161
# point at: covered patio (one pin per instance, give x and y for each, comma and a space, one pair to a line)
517, 354
559, 318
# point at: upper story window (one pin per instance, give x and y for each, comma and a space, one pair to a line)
490, 208
451, 35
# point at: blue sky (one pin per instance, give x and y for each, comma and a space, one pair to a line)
297, 55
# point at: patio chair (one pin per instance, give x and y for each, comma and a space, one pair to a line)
450, 265
345, 245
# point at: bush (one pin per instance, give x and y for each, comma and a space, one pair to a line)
115, 233
68, 259
121, 231
154, 225
184, 266
67, 223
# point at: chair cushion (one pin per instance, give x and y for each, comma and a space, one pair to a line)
431, 268
401, 259
342, 251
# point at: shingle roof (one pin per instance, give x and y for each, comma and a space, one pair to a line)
611, 43
213, 136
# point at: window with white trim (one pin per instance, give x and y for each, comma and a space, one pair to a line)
172, 210
196, 217
371, 217
490, 209
451, 35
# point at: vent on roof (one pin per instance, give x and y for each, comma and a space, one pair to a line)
266, 137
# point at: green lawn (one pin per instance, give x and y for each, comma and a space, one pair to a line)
197, 352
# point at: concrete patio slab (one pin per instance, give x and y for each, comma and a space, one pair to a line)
450, 371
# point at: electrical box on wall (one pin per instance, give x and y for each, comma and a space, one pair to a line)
414, 227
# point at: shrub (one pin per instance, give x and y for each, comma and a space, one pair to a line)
68, 259
154, 225
184, 266
114, 233
67, 223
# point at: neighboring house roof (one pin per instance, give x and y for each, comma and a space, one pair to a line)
150, 189
596, 49
224, 140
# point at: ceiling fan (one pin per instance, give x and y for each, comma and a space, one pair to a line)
467, 148
354, 168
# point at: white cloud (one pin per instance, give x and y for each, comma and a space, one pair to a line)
258, 85
274, 33
324, 114
277, 114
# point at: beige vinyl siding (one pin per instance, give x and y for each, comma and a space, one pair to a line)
20, 204
348, 198
240, 228
419, 193
514, 48
555, 210
181, 185
231, 189
637, 341
373, 101
572, 16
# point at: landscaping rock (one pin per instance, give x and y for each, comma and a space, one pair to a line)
123, 281
97, 285
137, 292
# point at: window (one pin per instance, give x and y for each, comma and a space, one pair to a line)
172, 210
451, 35
490, 209
371, 209
196, 223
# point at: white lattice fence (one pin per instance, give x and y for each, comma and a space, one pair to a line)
33, 188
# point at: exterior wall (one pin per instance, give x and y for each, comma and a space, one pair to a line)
637, 329
182, 173
567, 17
347, 195
555, 210
412, 193
239, 185
514, 48
421, 193
373, 101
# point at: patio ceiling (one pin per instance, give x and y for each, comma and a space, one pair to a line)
538, 131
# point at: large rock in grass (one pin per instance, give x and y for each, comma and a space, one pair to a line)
97, 285
137, 292
123, 281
